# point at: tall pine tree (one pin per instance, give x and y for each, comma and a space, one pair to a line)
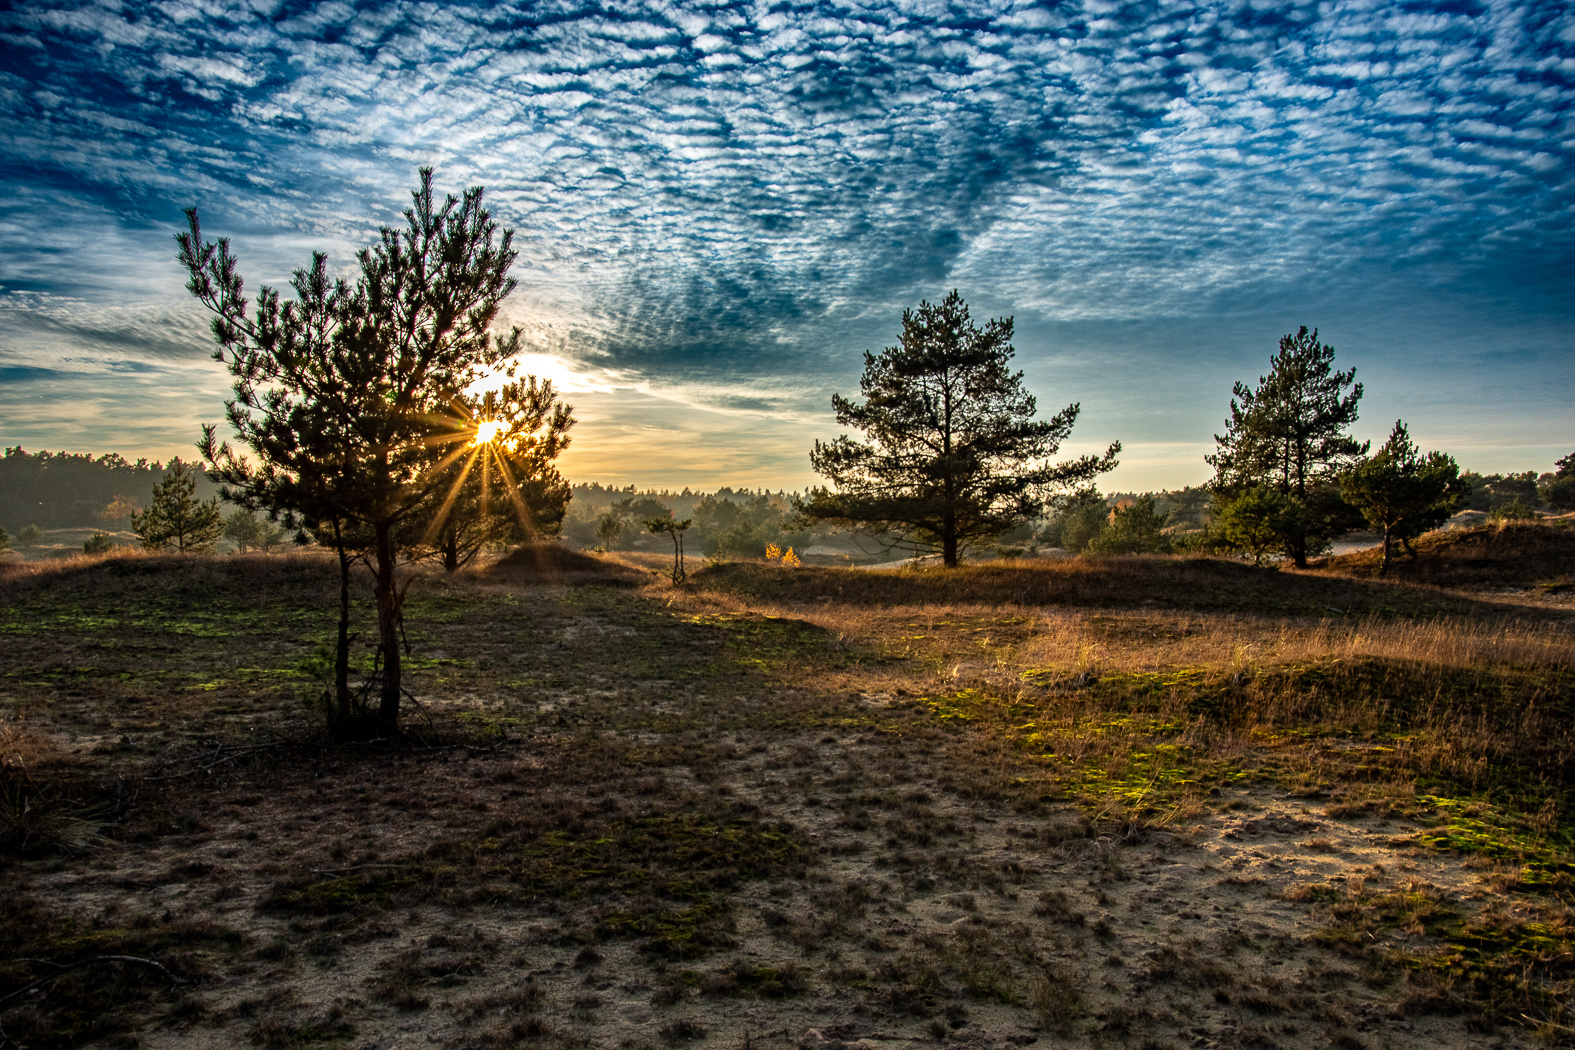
954, 455
1289, 434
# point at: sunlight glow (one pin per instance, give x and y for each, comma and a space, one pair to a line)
566, 379
488, 431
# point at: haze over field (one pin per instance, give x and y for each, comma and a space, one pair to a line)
719, 208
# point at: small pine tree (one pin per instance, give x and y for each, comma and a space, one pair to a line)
1133, 529
608, 531
675, 529
1403, 493
345, 398
1257, 520
98, 543
29, 536
1082, 519
176, 518
250, 532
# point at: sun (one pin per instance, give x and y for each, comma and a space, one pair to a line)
488, 431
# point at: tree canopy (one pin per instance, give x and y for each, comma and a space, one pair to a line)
507, 488
1289, 434
349, 399
176, 518
1402, 492
953, 454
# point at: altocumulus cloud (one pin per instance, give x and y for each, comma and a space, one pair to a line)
721, 202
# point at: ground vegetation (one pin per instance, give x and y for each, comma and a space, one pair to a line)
1120, 801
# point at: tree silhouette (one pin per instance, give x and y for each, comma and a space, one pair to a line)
175, 517
251, 532
676, 530
1290, 434
954, 455
349, 399
506, 488
1403, 493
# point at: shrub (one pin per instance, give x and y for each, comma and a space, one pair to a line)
1133, 529
30, 536
1080, 524
1559, 493
1516, 509
98, 543
1258, 521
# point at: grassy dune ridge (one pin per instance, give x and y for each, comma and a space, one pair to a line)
1132, 801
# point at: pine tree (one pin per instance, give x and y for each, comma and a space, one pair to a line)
1257, 520
1133, 529
176, 518
1559, 491
250, 531
1403, 493
954, 454
345, 397
676, 530
506, 488
1290, 434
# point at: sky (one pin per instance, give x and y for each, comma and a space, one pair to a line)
720, 207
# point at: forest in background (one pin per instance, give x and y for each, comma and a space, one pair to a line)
67, 490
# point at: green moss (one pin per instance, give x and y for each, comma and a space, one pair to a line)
1508, 968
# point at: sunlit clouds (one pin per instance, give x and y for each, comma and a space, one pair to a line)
718, 209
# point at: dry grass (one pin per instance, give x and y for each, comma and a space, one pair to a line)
22, 748
1494, 554
906, 805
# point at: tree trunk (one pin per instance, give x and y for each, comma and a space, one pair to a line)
949, 542
1383, 568
388, 628
1298, 550
450, 549
342, 641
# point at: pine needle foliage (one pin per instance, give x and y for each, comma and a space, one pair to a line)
344, 398
509, 491
176, 518
1289, 434
1403, 492
954, 455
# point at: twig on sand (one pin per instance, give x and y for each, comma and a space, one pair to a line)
66, 967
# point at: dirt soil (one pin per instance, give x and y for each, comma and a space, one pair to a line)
632, 815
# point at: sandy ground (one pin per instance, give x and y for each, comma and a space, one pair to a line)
1200, 933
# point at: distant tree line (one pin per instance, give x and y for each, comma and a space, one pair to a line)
68, 490
728, 523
